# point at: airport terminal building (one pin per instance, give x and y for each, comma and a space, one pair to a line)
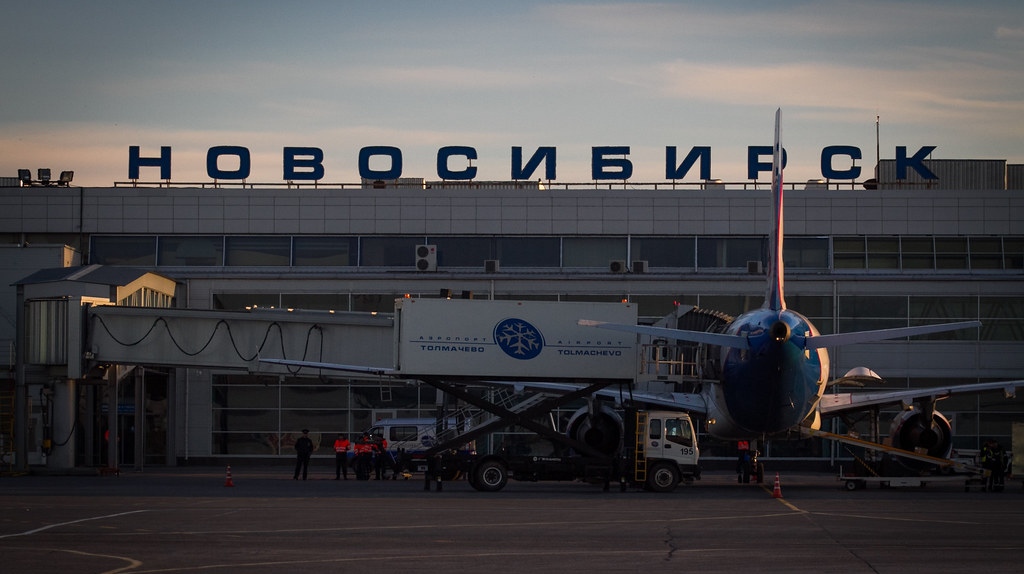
888, 254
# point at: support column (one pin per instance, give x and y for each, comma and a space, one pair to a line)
140, 417
113, 433
20, 385
62, 453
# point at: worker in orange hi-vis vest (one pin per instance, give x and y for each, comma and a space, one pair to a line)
364, 457
341, 446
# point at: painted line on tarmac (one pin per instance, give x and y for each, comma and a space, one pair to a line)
785, 503
517, 553
42, 528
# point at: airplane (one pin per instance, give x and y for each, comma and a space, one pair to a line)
774, 368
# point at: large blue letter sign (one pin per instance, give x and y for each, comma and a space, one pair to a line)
163, 162
599, 162
244, 162
916, 162
312, 164
679, 172
364, 162
833, 150
442, 162
754, 166
545, 154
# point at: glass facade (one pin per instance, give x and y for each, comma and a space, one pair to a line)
255, 416
905, 253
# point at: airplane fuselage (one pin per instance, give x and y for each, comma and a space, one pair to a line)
773, 385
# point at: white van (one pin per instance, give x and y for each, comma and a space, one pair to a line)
413, 435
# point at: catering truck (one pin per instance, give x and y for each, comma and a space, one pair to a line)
524, 364
658, 450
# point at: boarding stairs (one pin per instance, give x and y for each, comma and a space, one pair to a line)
942, 463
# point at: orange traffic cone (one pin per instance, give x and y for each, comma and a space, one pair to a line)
777, 491
227, 479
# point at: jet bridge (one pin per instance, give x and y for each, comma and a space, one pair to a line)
235, 339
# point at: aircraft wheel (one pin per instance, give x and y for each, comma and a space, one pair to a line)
663, 477
491, 476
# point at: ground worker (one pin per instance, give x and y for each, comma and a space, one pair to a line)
993, 460
303, 450
364, 456
341, 446
380, 455
743, 461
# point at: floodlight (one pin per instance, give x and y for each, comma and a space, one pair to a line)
44, 175
25, 176
66, 177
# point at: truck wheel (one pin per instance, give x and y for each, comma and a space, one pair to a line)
662, 477
491, 476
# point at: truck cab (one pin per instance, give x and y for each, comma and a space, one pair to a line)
669, 451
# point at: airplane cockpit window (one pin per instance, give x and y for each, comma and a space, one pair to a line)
678, 432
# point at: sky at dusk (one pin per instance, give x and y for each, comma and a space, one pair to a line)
84, 81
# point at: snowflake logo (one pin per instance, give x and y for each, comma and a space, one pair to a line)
518, 338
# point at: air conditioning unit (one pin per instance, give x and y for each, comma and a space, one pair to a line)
755, 267
618, 266
492, 265
426, 258
639, 267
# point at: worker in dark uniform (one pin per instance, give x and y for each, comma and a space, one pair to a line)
993, 459
380, 456
743, 462
303, 450
399, 466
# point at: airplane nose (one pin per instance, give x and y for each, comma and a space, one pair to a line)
780, 332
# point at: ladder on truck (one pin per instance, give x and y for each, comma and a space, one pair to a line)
639, 448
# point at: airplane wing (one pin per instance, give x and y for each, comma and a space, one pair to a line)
720, 339
839, 339
816, 342
832, 404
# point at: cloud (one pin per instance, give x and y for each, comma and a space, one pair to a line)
915, 95
1006, 33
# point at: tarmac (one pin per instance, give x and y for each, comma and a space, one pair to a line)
187, 519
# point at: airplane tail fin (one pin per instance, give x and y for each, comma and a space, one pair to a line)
774, 298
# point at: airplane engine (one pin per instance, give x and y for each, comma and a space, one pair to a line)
601, 430
911, 430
